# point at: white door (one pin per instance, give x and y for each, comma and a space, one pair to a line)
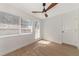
37, 30
69, 31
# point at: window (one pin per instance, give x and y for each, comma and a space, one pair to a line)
11, 24
26, 26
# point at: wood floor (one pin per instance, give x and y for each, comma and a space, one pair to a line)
46, 48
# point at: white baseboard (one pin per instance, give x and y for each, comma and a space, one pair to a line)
54, 41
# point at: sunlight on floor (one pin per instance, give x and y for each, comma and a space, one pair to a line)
44, 42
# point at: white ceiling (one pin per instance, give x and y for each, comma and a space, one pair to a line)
58, 9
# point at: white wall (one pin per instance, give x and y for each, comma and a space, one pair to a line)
10, 43
53, 28
70, 27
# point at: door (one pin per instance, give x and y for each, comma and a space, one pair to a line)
37, 30
69, 32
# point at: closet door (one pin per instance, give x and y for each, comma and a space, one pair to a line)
69, 32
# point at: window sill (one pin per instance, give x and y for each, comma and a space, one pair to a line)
15, 35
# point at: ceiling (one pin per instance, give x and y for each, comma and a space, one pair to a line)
58, 9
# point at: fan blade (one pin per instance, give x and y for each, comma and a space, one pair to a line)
50, 6
46, 15
36, 11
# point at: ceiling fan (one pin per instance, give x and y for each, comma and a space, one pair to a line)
44, 9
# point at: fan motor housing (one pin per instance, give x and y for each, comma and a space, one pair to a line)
44, 4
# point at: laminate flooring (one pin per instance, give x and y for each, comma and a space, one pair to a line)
45, 48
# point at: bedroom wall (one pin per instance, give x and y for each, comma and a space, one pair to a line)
13, 42
52, 29
54, 26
